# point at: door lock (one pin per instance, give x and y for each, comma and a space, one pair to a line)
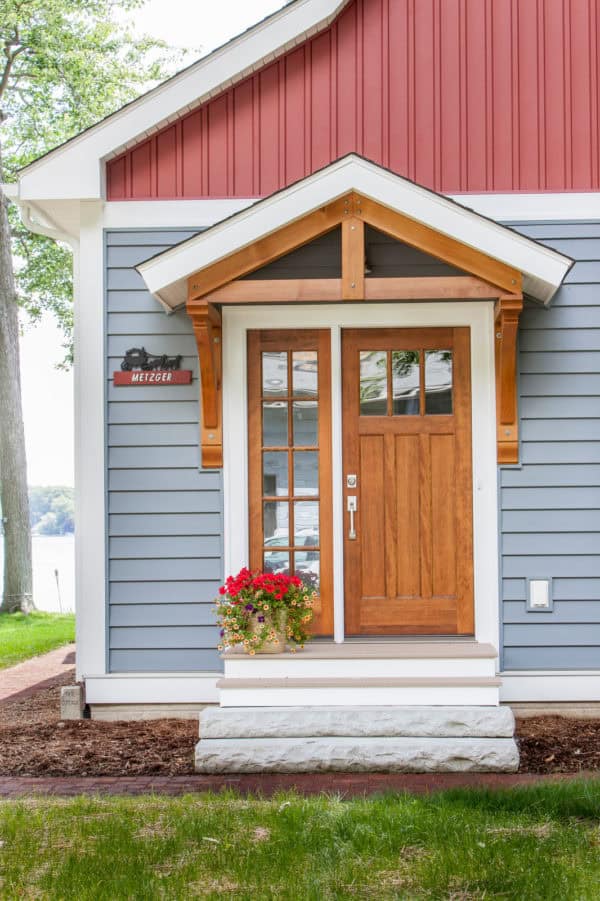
351, 481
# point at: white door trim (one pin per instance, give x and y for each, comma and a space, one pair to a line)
478, 315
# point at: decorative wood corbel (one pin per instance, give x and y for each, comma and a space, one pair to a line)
206, 320
507, 312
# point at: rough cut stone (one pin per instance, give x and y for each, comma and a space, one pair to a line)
286, 722
71, 702
345, 754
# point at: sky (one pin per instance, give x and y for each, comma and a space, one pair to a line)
48, 392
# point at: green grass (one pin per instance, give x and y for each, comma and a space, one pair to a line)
23, 636
534, 843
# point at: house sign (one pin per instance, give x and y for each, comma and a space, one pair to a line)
139, 367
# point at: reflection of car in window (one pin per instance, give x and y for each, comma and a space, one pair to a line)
278, 561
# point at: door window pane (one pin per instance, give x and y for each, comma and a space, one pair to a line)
305, 373
306, 523
373, 383
275, 473
276, 561
307, 568
438, 381
275, 424
306, 473
276, 517
305, 419
406, 379
274, 373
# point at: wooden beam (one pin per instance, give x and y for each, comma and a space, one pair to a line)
353, 258
507, 312
329, 290
441, 246
207, 329
265, 250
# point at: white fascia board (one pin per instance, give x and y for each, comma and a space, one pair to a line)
542, 207
74, 170
543, 269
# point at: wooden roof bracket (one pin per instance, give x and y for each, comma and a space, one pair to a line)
206, 319
507, 311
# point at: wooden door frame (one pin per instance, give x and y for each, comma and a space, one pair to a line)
479, 316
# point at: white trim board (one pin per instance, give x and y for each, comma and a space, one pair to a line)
550, 685
75, 170
479, 316
543, 269
152, 688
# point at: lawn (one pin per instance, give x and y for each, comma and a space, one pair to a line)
534, 843
23, 636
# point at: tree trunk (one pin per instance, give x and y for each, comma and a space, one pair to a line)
13, 463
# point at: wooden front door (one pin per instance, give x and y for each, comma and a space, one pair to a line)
289, 460
408, 548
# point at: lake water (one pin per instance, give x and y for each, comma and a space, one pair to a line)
50, 553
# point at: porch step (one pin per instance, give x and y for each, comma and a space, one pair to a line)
375, 659
372, 690
357, 739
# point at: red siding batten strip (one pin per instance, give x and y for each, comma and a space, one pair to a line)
460, 95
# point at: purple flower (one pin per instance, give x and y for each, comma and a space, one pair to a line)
249, 607
261, 619
222, 633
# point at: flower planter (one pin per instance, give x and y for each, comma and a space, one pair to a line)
276, 621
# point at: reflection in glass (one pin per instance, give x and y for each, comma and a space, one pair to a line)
275, 424
305, 420
276, 561
307, 568
276, 517
306, 523
274, 373
373, 383
306, 473
275, 473
405, 382
438, 381
305, 373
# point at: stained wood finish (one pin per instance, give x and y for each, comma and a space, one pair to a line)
410, 570
298, 340
206, 320
508, 311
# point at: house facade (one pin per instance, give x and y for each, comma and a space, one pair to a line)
370, 230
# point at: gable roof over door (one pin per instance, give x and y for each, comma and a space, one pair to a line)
542, 269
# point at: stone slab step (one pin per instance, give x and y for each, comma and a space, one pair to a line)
353, 754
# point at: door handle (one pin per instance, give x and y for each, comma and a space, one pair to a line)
352, 506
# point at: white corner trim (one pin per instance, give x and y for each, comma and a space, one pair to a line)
74, 169
152, 688
550, 685
478, 315
90, 525
543, 269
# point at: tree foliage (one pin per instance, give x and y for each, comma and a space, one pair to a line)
52, 509
64, 65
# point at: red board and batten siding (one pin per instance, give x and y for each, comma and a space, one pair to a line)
459, 95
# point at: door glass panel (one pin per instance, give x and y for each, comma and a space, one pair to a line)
275, 373
306, 523
305, 420
276, 561
276, 523
306, 473
406, 382
438, 381
275, 424
373, 383
275, 473
305, 374
307, 568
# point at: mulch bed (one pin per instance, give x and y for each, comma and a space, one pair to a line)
35, 742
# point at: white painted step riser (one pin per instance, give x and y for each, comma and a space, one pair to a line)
355, 696
298, 668
400, 755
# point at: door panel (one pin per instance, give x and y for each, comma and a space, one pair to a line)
407, 438
289, 459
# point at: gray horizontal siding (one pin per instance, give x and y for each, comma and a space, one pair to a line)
550, 504
165, 521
